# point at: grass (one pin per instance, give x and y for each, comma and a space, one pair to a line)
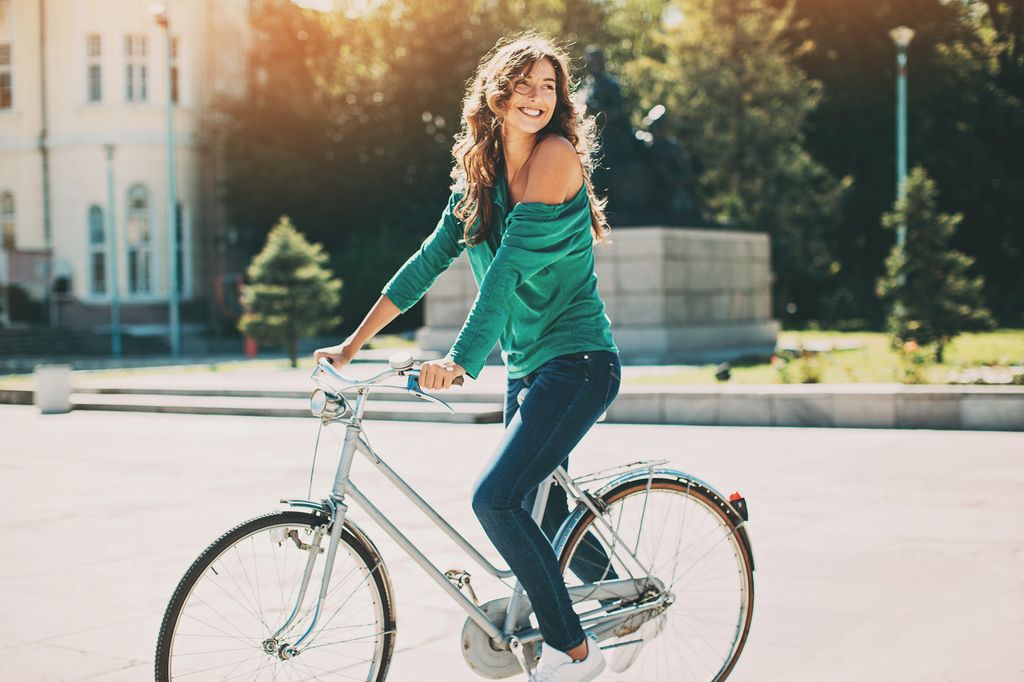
870, 360
381, 342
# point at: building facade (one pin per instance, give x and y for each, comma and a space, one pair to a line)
84, 205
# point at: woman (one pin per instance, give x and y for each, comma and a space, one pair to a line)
524, 209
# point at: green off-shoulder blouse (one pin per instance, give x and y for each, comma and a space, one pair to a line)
537, 287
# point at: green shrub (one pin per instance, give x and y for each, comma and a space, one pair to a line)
290, 294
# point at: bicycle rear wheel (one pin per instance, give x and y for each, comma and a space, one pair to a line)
221, 621
682, 533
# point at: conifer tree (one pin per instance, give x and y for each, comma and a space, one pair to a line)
290, 294
932, 295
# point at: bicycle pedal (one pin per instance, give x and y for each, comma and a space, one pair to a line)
461, 580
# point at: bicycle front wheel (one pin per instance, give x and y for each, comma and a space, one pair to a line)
680, 533
222, 621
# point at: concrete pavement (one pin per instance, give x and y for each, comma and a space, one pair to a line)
882, 555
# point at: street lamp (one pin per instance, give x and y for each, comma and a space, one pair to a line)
902, 36
115, 296
160, 13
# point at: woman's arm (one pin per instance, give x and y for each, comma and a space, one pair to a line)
434, 256
381, 315
407, 286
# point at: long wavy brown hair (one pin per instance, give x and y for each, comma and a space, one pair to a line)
478, 146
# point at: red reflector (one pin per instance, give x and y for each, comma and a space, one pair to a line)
735, 496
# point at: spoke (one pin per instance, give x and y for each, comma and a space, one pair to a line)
350, 639
255, 580
691, 552
251, 609
246, 674
328, 672
244, 607
256, 573
362, 582
248, 581
705, 555
214, 651
218, 667
643, 512
241, 637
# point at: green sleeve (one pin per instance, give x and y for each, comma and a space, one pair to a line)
536, 236
437, 252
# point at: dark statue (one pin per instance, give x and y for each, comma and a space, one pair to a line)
646, 174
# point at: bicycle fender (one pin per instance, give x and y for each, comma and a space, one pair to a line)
662, 473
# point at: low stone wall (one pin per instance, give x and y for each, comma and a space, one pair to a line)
673, 295
881, 406
15, 396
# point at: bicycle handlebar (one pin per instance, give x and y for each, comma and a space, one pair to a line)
412, 386
326, 366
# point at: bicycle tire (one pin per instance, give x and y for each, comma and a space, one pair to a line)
726, 582
355, 555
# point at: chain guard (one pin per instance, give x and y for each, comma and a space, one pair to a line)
479, 652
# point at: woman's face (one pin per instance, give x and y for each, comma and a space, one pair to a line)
533, 99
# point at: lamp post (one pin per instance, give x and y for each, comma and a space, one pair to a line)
160, 12
902, 36
5, 297
115, 296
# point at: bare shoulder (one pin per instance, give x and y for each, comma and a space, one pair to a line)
555, 172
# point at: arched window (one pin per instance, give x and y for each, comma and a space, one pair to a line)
97, 252
7, 220
139, 240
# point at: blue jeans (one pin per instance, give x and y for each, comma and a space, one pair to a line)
566, 396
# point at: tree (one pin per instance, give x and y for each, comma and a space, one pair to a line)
966, 105
290, 294
933, 297
346, 125
738, 100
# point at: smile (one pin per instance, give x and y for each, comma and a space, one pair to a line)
532, 113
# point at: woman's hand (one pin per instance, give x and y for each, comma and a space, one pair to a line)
439, 374
339, 355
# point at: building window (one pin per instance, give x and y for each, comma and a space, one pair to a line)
97, 252
6, 77
136, 86
174, 70
7, 220
93, 69
139, 241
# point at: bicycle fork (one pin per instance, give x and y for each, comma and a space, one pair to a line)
285, 650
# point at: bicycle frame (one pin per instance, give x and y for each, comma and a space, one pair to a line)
509, 636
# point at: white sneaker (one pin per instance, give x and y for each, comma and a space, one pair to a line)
625, 655
557, 666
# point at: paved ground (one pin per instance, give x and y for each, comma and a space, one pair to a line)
882, 555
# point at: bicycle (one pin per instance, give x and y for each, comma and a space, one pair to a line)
669, 568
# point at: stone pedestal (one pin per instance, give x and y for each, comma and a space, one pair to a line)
673, 295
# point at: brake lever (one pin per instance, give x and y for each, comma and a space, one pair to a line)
413, 386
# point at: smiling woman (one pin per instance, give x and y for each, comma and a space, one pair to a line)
525, 85
523, 208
